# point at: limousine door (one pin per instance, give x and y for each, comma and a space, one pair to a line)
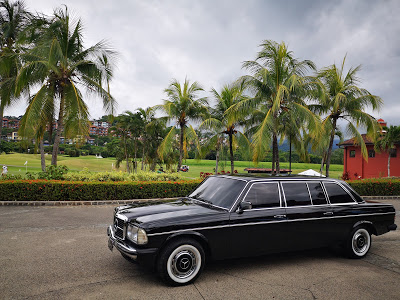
260, 229
309, 215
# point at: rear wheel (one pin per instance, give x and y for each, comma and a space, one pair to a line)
181, 262
358, 243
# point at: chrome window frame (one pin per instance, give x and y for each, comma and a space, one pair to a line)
264, 208
345, 190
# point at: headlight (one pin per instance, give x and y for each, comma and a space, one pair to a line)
136, 234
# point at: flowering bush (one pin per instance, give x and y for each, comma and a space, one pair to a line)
376, 187
86, 175
53, 190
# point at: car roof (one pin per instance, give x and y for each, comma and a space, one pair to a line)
259, 177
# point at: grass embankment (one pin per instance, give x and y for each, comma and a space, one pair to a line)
15, 163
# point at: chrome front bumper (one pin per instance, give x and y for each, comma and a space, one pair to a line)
121, 246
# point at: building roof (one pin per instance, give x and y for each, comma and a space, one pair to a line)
351, 142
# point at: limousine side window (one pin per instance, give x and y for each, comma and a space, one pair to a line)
296, 193
263, 195
317, 193
337, 194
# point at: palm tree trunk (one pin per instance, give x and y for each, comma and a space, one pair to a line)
126, 157
181, 147
328, 156
217, 160
59, 131
1, 122
143, 154
389, 164
321, 169
42, 158
231, 151
275, 153
134, 160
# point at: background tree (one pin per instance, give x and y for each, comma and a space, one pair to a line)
222, 123
280, 89
346, 101
14, 18
388, 142
183, 105
61, 67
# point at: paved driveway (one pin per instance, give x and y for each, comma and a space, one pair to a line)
61, 253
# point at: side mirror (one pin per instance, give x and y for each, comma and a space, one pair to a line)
243, 206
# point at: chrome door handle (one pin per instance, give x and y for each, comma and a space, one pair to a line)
328, 213
279, 216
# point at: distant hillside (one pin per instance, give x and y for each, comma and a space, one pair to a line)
285, 145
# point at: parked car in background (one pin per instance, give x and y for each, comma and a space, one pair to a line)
232, 216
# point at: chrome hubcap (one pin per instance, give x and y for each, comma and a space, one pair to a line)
361, 241
183, 264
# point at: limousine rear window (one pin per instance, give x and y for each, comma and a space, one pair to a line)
219, 191
317, 193
337, 194
296, 193
263, 195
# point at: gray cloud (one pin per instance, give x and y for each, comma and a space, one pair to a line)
207, 41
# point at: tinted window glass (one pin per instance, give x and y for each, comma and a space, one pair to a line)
296, 193
263, 195
219, 191
336, 194
317, 193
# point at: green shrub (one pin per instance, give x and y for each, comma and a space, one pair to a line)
53, 173
86, 175
376, 187
43, 190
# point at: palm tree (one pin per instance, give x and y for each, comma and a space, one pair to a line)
61, 68
220, 120
14, 19
280, 90
148, 118
182, 106
388, 142
346, 101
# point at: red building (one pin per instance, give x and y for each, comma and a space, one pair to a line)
376, 166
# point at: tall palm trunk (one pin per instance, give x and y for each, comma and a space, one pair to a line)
321, 169
275, 153
126, 157
328, 156
42, 157
59, 131
389, 164
181, 147
231, 150
217, 159
134, 159
144, 140
1, 122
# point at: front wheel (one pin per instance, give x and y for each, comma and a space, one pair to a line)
358, 243
181, 262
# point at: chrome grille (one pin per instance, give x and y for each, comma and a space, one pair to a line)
119, 228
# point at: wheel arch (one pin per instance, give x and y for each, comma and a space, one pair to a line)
201, 239
368, 225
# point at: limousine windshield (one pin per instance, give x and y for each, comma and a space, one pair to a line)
219, 191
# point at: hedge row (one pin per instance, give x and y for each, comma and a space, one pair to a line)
376, 187
44, 190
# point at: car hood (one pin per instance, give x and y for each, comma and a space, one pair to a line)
160, 215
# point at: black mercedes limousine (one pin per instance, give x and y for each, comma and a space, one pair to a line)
228, 216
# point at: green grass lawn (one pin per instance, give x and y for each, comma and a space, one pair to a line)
15, 163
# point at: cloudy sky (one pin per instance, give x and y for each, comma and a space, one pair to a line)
207, 41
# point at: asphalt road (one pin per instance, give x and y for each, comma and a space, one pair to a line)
61, 253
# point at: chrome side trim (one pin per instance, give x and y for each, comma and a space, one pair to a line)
266, 222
